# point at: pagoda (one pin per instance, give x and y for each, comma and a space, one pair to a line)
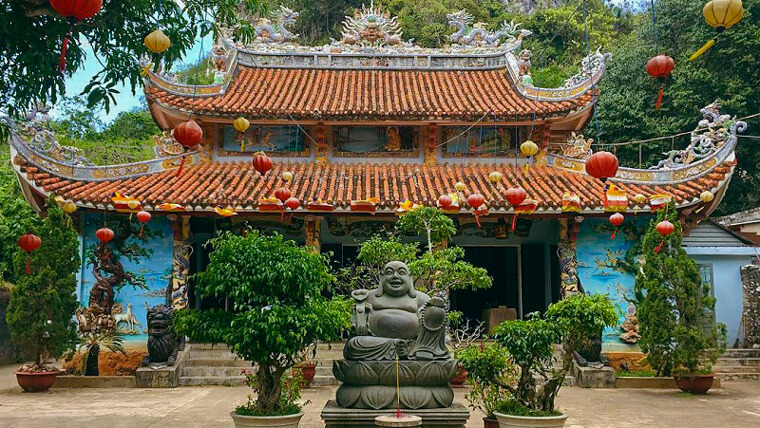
364, 128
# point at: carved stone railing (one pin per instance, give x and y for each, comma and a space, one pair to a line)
168, 84
37, 145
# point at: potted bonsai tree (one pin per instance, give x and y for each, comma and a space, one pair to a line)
279, 310
485, 362
529, 399
675, 308
42, 304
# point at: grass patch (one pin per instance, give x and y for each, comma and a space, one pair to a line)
684, 394
636, 373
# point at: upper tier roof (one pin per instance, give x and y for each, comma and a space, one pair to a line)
320, 94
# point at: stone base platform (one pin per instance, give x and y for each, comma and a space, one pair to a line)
337, 417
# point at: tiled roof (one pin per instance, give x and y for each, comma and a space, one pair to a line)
206, 185
382, 94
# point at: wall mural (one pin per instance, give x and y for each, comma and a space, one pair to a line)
479, 140
398, 141
286, 139
130, 304
599, 273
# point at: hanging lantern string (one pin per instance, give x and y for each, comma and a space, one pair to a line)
654, 26
466, 130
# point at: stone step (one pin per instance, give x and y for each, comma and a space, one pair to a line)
324, 370
211, 371
212, 353
208, 346
216, 362
728, 377
335, 354
736, 369
738, 362
741, 353
321, 380
212, 380
332, 345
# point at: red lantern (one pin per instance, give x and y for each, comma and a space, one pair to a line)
189, 134
282, 194
475, 200
29, 243
516, 195
616, 220
445, 201
660, 67
664, 228
104, 235
74, 10
262, 163
602, 165
292, 203
143, 217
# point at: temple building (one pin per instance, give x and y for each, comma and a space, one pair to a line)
362, 129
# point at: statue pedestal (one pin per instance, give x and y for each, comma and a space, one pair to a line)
160, 375
398, 422
335, 416
593, 377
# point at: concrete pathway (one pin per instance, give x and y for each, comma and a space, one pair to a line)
736, 405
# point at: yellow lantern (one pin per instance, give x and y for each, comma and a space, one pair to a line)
241, 125
157, 42
69, 207
495, 177
706, 196
719, 14
460, 186
639, 198
528, 148
287, 176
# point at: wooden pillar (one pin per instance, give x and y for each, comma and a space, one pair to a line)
567, 251
313, 224
321, 149
182, 250
546, 132
431, 144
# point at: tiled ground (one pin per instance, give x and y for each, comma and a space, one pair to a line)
736, 405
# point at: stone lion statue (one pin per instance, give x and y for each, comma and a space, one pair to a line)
162, 344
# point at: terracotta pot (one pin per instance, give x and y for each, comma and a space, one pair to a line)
490, 423
695, 384
509, 421
289, 421
36, 382
308, 371
460, 378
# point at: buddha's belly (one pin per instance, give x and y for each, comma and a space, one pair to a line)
394, 323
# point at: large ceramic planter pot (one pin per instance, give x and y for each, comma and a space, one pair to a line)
289, 421
36, 382
308, 371
509, 421
695, 384
490, 423
460, 378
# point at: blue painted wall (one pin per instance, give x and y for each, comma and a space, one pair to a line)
156, 269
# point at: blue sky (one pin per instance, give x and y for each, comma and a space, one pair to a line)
126, 100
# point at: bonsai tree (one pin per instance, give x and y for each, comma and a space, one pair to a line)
488, 367
279, 309
673, 305
530, 345
42, 304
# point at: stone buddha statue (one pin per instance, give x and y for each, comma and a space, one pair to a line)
394, 321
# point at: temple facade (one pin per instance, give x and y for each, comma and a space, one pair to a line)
362, 129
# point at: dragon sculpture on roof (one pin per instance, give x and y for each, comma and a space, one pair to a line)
476, 34
278, 32
371, 27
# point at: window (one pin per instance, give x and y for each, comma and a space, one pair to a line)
481, 140
390, 141
285, 140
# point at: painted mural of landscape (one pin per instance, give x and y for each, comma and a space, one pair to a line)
130, 307
598, 271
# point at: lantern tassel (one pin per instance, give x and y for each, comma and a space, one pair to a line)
514, 220
242, 143
710, 43
527, 167
477, 218
658, 247
659, 97
181, 165
614, 234
64, 48
29, 265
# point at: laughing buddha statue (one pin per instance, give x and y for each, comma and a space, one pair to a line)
396, 322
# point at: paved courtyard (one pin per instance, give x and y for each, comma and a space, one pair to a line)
736, 405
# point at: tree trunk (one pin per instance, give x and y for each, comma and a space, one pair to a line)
270, 388
91, 368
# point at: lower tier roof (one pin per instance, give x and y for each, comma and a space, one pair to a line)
202, 187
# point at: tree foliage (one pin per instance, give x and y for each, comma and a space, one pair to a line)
674, 306
279, 309
41, 308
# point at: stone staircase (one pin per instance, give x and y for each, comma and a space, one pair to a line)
208, 364
739, 364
